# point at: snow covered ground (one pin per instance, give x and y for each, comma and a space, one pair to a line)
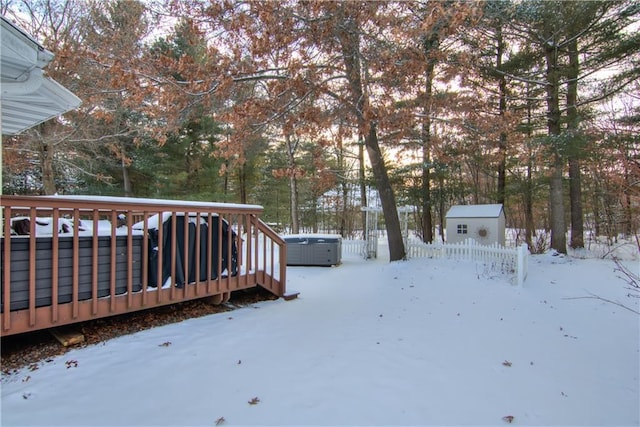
421, 342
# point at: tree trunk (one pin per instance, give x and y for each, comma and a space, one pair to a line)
528, 189
575, 184
126, 179
293, 189
502, 144
556, 205
225, 183
387, 198
242, 183
441, 206
595, 202
47, 154
314, 215
429, 45
343, 189
556, 193
575, 196
502, 169
427, 219
629, 225
293, 185
363, 184
528, 207
343, 215
349, 38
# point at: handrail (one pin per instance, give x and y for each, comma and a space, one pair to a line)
107, 203
274, 272
84, 257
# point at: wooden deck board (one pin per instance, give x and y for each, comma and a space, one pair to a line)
68, 336
291, 295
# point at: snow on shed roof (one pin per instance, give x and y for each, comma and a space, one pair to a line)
474, 211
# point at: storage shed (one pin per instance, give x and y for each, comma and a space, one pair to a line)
483, 223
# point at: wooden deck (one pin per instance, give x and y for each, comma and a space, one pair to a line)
81, 258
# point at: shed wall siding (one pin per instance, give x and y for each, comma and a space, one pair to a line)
493, 225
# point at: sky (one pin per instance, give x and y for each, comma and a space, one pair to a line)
368, 342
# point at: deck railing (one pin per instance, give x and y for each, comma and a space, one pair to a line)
80, 258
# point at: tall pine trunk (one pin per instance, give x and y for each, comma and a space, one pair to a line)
575, 184
387, 198
427, 219
293, 189
363, 184
528, 188
344, 213
502, 111
349, 38
126, 179
429, 46
629, 224
293, 185
47, 154
344, 191
242, 183
556, 193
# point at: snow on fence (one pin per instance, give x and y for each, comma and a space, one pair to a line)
498, 258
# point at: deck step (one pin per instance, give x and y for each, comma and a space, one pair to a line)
290, 295
67, 336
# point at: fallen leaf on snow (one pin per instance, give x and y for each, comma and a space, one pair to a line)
506, 363
165, 344
254, 401
220, 421
508, 418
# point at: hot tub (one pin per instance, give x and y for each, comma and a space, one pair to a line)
20, 261
313, 249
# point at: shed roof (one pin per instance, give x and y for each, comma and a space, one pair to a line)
27, 96
475, 211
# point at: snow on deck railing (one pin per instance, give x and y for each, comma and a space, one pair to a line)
513, 261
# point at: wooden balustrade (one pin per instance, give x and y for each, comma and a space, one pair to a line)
78, 258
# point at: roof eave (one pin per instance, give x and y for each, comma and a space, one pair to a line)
27, 97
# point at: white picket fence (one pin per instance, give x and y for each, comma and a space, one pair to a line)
510, 261
357, 247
